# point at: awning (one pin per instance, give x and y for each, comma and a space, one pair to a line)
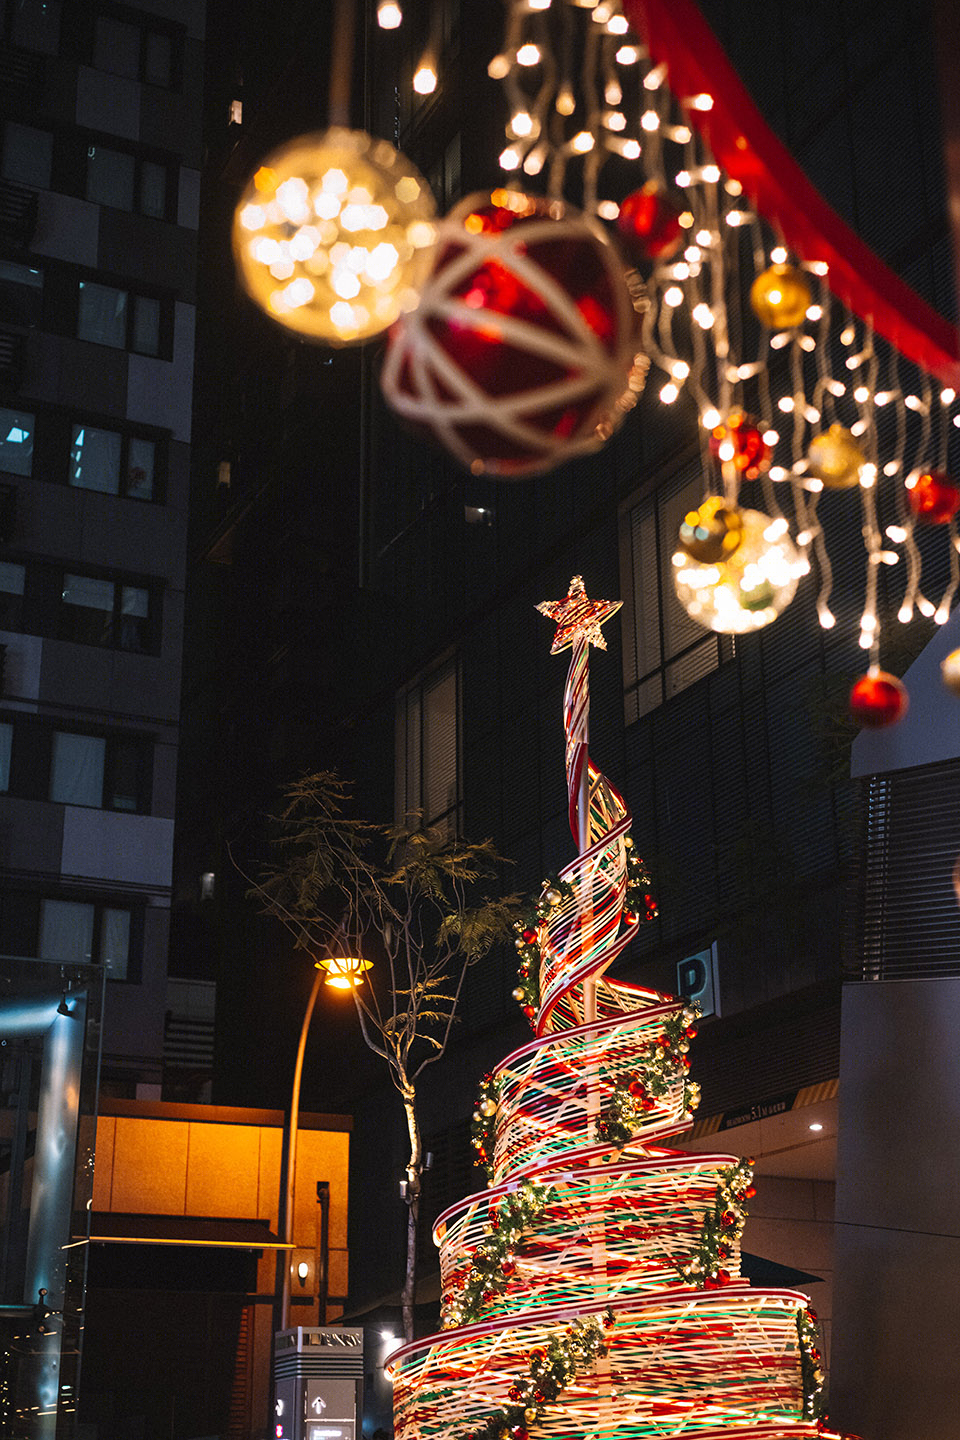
110, 1228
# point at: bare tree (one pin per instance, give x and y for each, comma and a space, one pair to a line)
409, 899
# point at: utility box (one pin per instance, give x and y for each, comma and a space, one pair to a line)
318, 1383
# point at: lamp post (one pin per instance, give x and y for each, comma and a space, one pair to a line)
341, 972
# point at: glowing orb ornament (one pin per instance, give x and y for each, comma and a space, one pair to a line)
712, 532
738, 443
933, 497
878, 699
649, 223
780, 297
333, 236
523, 350
748, 589
836, 459
950, 672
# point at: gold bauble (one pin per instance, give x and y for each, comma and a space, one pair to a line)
950, 672
711, 532
836, 458
780, 297
748, 590
488, 1107
334, 236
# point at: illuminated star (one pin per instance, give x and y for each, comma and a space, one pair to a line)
577, 617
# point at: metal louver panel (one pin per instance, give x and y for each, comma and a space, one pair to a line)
910, 919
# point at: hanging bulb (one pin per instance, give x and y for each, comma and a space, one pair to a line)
565, 103
389, 15
425, 75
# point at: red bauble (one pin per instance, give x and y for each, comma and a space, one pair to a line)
649, 223
934, 498
878, 699
522, 352
738, 441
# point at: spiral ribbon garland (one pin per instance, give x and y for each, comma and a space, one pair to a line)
594, 1288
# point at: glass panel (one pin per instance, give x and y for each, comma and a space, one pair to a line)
95, 460
157, 69
87, 611
110, 177
36, 25
440, 748
27, 155
124, 784
116, 47
16, 444
146, 325
66, 931
76, 769
141, 463
134, 618
102, 315
21, 293
679, 629
153, 189
115, 942
6, 746
11, 578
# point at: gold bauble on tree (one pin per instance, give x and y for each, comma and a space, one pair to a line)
780, 297
835, 458
334, 234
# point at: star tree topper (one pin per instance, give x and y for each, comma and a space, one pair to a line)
577, 617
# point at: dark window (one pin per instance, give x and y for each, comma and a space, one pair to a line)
27, 155
35, 25
80, 932
138, 51
17, 429
94, 611
6, 750
125, 181
21, 293
104, 771
12, 578
107, 315
427, 762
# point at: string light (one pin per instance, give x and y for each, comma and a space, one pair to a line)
389, 15
425, 76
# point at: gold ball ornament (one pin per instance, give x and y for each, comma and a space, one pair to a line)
950, 672
712, 532
488, 1107
780, 297
748, 590
835, 458
334, 236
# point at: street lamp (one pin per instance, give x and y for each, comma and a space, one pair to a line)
342, 972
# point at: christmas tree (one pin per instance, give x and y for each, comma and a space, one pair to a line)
595, 1287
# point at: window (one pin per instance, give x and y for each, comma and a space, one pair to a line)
106, 612
97, 770
12, 578
109, 316
140, 52
80, 933
6, 749
21, 293
16, 441
427, 757
113, 463
27, 155
664, 650
123, 180
35, 25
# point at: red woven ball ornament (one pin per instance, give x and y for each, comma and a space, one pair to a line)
649, 223
878, 699
738, 441
523, 350
934, 498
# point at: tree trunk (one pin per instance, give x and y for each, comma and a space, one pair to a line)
412, 1198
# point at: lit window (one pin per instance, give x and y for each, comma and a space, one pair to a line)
16, 441
427, 768
108, 316
97, 770
78, 933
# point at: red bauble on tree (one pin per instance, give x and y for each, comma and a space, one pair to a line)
878, 699
933, 497
523, 350
649, 223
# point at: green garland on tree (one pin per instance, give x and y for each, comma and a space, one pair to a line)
494, 1259
811, 1365
553, 892
721, 1229
636, 1092
552, 1367
483, 1128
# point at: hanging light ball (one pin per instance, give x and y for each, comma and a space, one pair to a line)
750, 588
649, 223
878, 699
950, 672
711, 532
836, 459
738, 442
523, 351
780, 296
933, 497
333, 236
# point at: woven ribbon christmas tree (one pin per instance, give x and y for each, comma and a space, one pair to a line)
594, 1288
